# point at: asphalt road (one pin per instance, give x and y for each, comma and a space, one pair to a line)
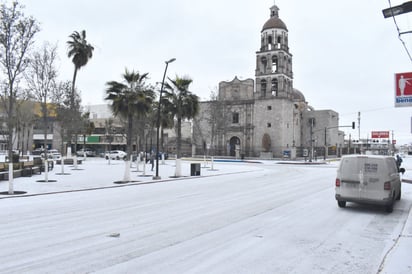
274, 219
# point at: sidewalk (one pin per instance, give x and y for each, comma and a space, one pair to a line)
98, 173
398, 259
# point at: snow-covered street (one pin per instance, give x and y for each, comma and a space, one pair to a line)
239, 218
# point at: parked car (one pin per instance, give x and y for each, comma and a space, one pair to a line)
368, 179
54, 154
88, 151
115, 154
38, 151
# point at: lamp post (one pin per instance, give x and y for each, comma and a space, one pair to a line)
157, 177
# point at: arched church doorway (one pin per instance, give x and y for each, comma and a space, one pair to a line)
266, 143
234, 144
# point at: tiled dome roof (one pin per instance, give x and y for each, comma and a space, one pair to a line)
274, 23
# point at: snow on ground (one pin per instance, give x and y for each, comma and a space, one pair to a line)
98, 172
237, 218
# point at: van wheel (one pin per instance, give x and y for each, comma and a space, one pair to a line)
399, 195
341, 203
389, 208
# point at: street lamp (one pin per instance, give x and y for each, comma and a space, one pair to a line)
157, 177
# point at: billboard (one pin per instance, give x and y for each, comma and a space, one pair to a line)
380, 134
403, 89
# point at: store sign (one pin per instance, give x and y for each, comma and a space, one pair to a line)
403, 89
380, 134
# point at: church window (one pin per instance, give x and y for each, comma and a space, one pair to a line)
235, 118
274, 63
279, 41
269, 125
264, 64
274, 88
269, 107
270, 42
263, 87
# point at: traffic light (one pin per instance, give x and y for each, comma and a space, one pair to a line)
353, 125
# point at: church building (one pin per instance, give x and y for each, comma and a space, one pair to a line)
265, 117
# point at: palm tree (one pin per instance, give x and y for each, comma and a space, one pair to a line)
183, 104
130, 99
81, 52
166, 119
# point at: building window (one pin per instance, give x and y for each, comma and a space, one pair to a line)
269, 125
269, 107
264, 62
274, 87
274, 64
263, 87
235, 118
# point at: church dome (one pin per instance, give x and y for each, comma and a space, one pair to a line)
298, 96
274, 23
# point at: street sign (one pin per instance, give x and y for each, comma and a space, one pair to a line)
393, 11
403, 89
380, 134
305, 152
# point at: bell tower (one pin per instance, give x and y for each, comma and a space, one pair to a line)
274, 76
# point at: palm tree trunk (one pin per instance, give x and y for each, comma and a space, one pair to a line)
70, 132
128, 148
179, 138
178, 171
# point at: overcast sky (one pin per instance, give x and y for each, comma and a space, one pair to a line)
345, 53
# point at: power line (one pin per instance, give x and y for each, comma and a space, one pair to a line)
365, 110
399, 33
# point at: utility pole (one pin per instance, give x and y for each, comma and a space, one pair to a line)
393, 145
311, 139
360, 152
326, 147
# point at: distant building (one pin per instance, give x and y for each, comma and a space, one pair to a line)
265, 117
114, 136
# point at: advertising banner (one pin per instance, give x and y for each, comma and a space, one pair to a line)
403, 89
380, 134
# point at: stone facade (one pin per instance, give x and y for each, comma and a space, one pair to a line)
265, 117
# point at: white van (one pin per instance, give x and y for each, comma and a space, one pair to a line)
368, 179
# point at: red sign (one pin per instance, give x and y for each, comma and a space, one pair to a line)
380, 134
403, 83
403, 89
394, 142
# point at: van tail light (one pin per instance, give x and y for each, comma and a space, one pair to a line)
337, 182
387, 186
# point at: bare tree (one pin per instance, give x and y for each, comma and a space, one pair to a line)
86, 129
61, 98
210, 122
16, 39
25, 118
41, 79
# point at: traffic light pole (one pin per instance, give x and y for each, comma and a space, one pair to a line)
325, 143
